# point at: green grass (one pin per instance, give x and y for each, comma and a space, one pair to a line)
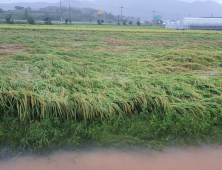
150, 78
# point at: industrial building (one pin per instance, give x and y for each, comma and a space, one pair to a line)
204, 23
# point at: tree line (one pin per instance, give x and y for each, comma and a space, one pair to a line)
54, 13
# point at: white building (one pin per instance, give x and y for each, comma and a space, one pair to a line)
196, 23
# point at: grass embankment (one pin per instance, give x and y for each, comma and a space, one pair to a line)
109, 85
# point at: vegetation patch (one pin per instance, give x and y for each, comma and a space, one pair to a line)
69, 90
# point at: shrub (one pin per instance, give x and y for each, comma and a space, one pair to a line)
102, 21
66, 20
138, 23
8, 19
131, 22
48, 21
31, 20
124, 22
118, 23
99, 22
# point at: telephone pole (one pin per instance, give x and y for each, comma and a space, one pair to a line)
121, 12
61, 9
154, 15
104, 16
69, 15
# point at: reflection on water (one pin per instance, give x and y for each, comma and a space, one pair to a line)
170, 159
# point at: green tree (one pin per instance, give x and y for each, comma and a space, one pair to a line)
19, 8
26, 14
131, 22
31, 20
138, 23
29, 8
1, 10
99, 22
48, 21
66, 20
8, 19
124, 22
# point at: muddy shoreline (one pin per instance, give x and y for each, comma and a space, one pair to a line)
191, 158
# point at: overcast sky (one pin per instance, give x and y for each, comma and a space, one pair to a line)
12, 1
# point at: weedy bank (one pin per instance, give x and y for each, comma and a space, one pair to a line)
109, 85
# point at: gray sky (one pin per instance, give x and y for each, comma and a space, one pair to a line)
219, 1
12, 1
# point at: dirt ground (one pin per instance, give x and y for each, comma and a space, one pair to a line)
14, 47
151, 43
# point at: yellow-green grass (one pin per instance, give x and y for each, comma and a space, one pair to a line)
79, 72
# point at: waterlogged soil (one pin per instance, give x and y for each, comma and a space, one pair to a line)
169, 159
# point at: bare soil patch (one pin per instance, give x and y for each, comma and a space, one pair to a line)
74, 43
111, 38
9, 32
64, 48
151, 43
117, 43
196, 42
6, 53
81, 36
14, 47
2, 59
110, 50
155, 43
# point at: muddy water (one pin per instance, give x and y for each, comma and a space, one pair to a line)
170, 159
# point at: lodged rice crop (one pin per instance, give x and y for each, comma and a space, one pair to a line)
77, 73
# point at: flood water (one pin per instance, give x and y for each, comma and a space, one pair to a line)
169, 159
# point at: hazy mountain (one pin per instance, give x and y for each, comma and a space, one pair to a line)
139, 8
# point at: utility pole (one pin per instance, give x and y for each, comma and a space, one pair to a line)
154, 15
61, 9
121, 13
69, 15
104, 16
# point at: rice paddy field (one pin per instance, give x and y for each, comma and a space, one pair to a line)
109, 85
